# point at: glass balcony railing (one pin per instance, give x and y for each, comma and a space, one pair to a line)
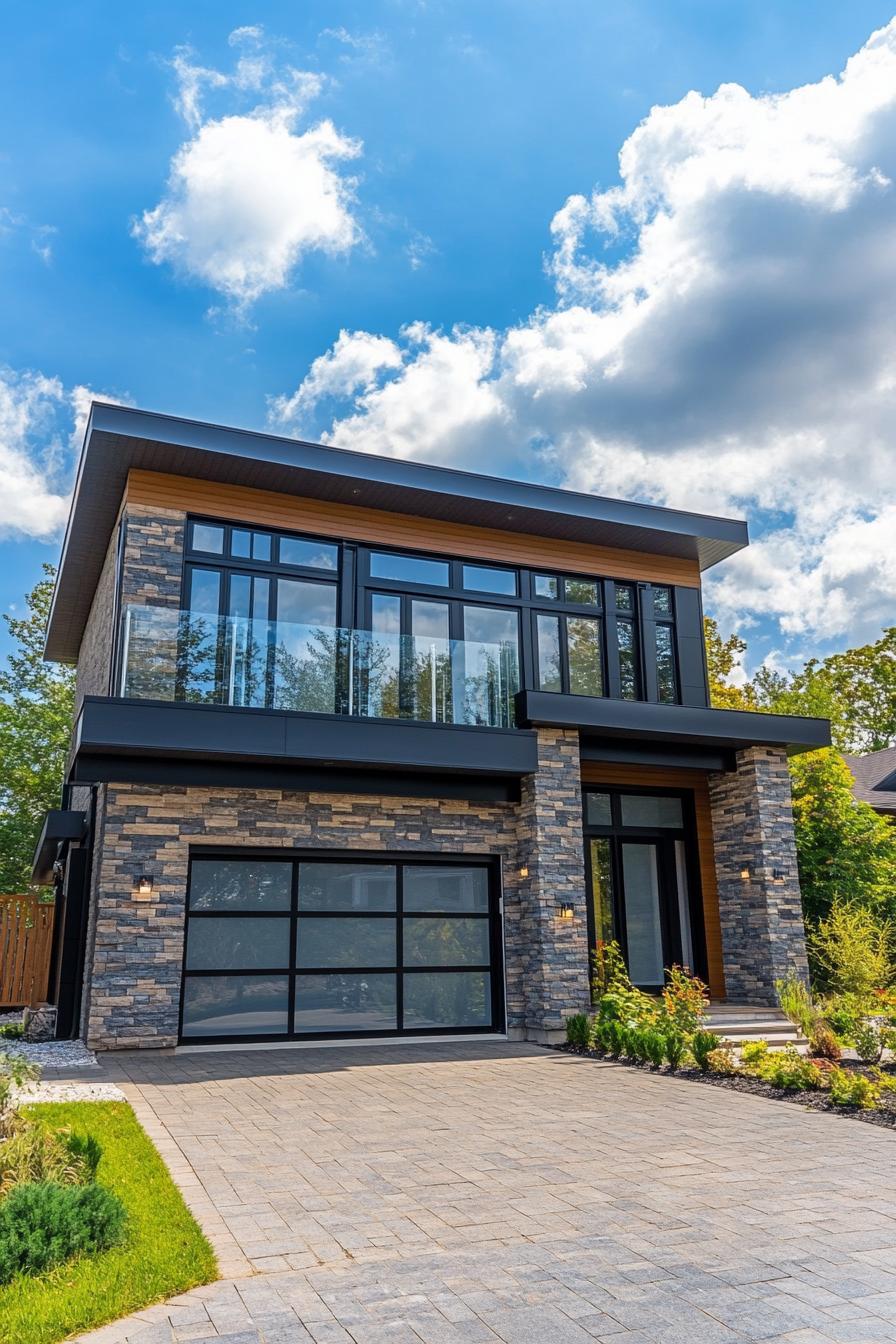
168, 654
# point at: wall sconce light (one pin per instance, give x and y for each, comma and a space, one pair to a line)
524, 872
777, 874
745, 872
144, 885
565, 910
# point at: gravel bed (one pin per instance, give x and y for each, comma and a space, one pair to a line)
52, 1054
883, 1115
69, 1091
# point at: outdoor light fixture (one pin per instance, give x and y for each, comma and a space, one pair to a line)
144, 885
745, 872
565, 910
777, 874
524, 872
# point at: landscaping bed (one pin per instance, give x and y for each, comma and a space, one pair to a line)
882, 1114
160, 1251
668, 1033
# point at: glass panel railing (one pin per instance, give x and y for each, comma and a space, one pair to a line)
168, 654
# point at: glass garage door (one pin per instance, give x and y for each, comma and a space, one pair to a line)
318, 946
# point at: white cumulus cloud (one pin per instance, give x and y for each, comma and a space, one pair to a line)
255, 188
41, 429
723, 338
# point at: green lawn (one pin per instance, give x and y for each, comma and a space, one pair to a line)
164, 1251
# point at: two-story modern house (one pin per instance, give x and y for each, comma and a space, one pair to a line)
365, 747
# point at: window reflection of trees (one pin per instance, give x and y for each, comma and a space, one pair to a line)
186, 656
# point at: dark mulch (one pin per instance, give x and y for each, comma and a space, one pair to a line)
883, 1115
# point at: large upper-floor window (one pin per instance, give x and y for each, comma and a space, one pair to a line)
261, 614
282, 620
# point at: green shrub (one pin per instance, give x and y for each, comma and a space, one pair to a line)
781, 1068
578, 1028
843, 1015
796, 1003
849, 1088
753, 1055
789, 1069
597, 1036
702, 1044
614, 994
12, 1031
45, 1224
851, 949
615, 1037
656, 1047
674, 1043
869, 1042
640, 1038
631, 1042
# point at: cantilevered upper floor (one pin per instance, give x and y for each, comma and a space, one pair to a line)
361, 611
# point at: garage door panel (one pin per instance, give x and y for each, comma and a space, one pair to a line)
451, 941
326, 1003
460, 999
228, 884
436, 889
355, 940
238, 943
340, 946
347, 886
235, 1005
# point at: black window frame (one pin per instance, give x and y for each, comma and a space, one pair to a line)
227, 566
401, 860
354, 585
617, 833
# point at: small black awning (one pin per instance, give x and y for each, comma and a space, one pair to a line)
681, 725
60, 825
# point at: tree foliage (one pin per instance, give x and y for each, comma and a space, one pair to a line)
855, 689
722, 660
845, 850
36, 702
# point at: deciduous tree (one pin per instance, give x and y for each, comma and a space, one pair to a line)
36, 700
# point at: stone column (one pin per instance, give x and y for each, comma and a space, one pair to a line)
759, 892
554, 950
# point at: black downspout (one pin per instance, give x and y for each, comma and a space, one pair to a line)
72, 937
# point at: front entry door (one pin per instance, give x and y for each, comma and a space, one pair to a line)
643, 883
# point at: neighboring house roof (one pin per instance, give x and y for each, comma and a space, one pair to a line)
875, 779
119, 438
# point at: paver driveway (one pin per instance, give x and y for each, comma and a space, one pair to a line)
499, 1192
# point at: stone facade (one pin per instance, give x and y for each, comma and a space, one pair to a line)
759, 893
152, 571
134, 971
554, 949
92, 675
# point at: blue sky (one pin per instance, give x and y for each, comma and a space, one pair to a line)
712, 327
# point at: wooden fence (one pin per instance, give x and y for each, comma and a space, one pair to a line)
26, 939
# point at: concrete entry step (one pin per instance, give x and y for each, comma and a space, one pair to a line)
736, 1024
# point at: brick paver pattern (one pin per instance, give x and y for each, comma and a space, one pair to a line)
461, 1193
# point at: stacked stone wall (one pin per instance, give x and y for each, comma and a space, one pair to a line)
760, 911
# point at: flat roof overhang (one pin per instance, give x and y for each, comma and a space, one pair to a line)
681, 725
60, 825
119, 439
221, 744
